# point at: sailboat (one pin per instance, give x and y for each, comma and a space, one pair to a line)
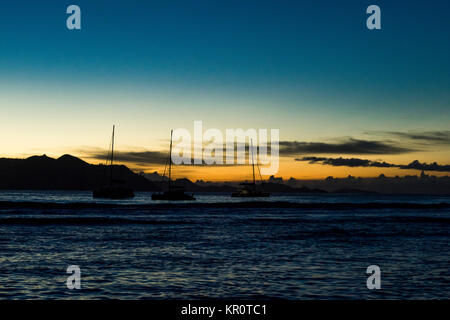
115, 189
249, 190
173, 193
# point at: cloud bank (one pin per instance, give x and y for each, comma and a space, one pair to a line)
356, 162
349, 146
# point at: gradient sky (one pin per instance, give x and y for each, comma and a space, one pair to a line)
310, 69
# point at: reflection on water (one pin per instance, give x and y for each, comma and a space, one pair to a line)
157, 253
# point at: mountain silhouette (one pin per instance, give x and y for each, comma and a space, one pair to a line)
71, 173
65, 173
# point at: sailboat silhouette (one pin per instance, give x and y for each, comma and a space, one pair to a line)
115, 189
249, 190
173, 192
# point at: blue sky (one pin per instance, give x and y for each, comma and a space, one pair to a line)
311, 69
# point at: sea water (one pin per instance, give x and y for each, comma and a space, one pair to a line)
139, 249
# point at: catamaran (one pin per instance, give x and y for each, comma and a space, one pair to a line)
173, 193
115, 189
249, 190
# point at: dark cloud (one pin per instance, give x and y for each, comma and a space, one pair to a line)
426, 167
343, 162
141, 157
349, 146
137, 157
432, 137
144, 158
355, 162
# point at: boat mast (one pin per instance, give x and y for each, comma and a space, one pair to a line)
112, 155
170, 161
253, 162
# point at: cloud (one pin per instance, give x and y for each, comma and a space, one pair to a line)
287, 148
141, 157
342, 162
355, 162
425, 166
432, 137
349, 146
144, 157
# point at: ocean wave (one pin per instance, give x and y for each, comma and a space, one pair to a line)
365, 219
241, 205
84, 221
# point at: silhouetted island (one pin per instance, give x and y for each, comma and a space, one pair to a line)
64, 173
71, 173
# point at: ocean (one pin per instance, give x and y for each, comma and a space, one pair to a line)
294, 247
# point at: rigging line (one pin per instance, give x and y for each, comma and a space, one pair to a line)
107, 161
253, 161
259, 171
164, 173
165, 169
112, 154
109, 153
170, 160
257, 165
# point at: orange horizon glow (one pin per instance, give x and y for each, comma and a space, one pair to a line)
288, 169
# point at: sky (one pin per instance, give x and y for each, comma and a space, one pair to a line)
311, 69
